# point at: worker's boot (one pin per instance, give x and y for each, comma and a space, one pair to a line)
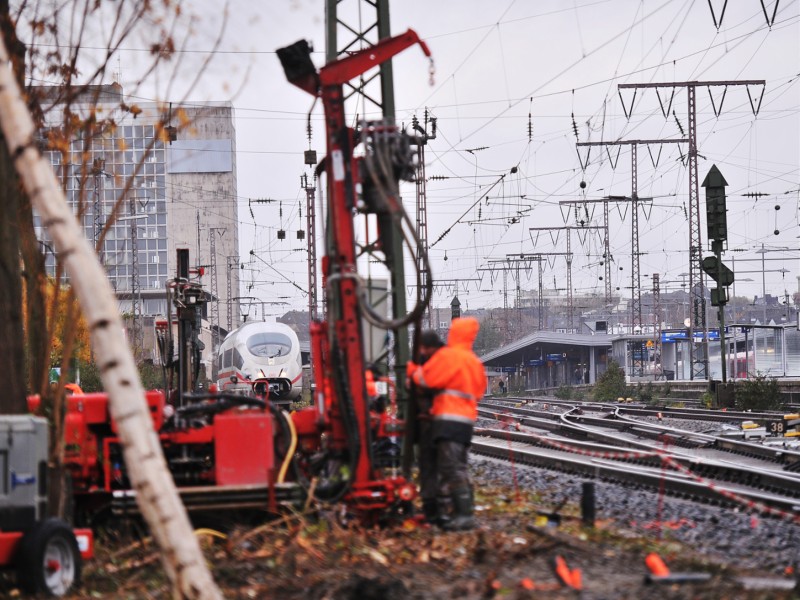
430, 509
444, 510
463, 506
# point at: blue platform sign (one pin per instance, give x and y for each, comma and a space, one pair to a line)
683, 334
509, 369
536, 362
556, 357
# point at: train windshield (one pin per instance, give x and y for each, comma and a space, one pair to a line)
269, 344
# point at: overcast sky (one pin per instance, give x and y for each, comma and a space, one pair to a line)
496, 63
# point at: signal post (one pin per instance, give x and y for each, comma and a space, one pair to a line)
717, 226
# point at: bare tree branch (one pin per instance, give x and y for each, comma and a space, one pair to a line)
156, 494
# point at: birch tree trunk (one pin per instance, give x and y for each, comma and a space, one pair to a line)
156, 494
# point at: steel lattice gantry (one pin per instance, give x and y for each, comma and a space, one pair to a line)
215, 324
568, 255
421, 140
698, 347
657, 329
512, 262
636, 283
136, 288
606, 241
311, 227
362, 24
232, 263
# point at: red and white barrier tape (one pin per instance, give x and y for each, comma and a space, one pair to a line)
751, 505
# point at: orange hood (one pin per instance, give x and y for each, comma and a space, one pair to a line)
463, 332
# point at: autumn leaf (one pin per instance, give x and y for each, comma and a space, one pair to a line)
377, 556
134, 109
163, 49
56, 297
183, 117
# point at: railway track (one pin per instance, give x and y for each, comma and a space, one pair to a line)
580, 443
642, 410
596, 417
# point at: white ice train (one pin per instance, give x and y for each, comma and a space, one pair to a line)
258, 351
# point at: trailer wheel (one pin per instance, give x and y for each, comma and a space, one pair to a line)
48, 559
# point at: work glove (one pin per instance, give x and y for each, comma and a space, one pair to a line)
411, 368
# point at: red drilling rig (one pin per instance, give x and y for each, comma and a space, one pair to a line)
233, 450
355, 459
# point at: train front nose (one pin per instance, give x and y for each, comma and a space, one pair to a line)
280, 387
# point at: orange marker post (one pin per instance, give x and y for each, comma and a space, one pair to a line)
656, 565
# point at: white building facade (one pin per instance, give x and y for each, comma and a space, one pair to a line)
169, 194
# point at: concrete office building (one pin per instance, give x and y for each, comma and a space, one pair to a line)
183, 195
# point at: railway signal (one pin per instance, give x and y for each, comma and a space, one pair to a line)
718, 233
716, 209
717, 270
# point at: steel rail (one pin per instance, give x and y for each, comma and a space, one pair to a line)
680, 486
766, 480
787, 457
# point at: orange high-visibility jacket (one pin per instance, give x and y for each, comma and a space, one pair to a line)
372, 388
73, 388
456, 373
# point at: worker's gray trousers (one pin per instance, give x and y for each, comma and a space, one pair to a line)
451, 463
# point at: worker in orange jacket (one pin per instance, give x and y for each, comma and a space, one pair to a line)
459, 379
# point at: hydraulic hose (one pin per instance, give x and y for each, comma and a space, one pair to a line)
380, 172
292, 446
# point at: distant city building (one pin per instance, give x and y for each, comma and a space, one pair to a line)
180, 194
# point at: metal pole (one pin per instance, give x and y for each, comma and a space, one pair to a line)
570, 297
764, 283
540, 296
606, 253
636, 283
733, 289
733, 318
746, 354
505, 305
658, 368
721, 308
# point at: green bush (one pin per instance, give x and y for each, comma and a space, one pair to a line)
152, 376
645, 393
564, 392
707, 400
759, 392
90, 377
611, 384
